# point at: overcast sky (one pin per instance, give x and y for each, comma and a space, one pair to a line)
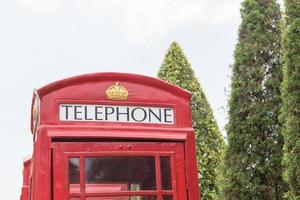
42, 41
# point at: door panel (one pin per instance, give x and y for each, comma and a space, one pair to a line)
118, 171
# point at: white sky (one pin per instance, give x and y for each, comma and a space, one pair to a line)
42, 41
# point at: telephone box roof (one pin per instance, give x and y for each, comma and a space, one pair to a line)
107, 76
143, 89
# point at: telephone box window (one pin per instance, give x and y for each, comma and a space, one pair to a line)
74, 171
165, 166
122, 173
167, 198
74, 175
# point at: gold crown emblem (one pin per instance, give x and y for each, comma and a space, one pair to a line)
116, 92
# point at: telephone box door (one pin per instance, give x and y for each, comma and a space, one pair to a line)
119, 171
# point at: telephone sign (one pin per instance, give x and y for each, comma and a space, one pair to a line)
116, 113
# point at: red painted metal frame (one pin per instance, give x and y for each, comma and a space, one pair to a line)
63, 151
91, 88
43, 177
26, 179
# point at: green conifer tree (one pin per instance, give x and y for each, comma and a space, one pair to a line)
290, 111
177, 70
252, 165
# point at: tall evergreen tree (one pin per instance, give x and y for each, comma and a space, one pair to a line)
253, 157
177, 70
290, 112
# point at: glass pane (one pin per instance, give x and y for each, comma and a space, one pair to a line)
74, 198
74, 174
123, 198
165, 167
74, 170
167, 198
122, 173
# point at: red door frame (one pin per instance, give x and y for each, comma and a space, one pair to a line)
62, 151
48, 135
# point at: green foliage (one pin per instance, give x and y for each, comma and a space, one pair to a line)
290, 111
177, 70
252, 161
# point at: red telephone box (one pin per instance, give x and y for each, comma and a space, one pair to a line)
111, 136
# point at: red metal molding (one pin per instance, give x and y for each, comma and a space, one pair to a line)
109, 76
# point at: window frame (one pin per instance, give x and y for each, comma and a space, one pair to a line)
63, 151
